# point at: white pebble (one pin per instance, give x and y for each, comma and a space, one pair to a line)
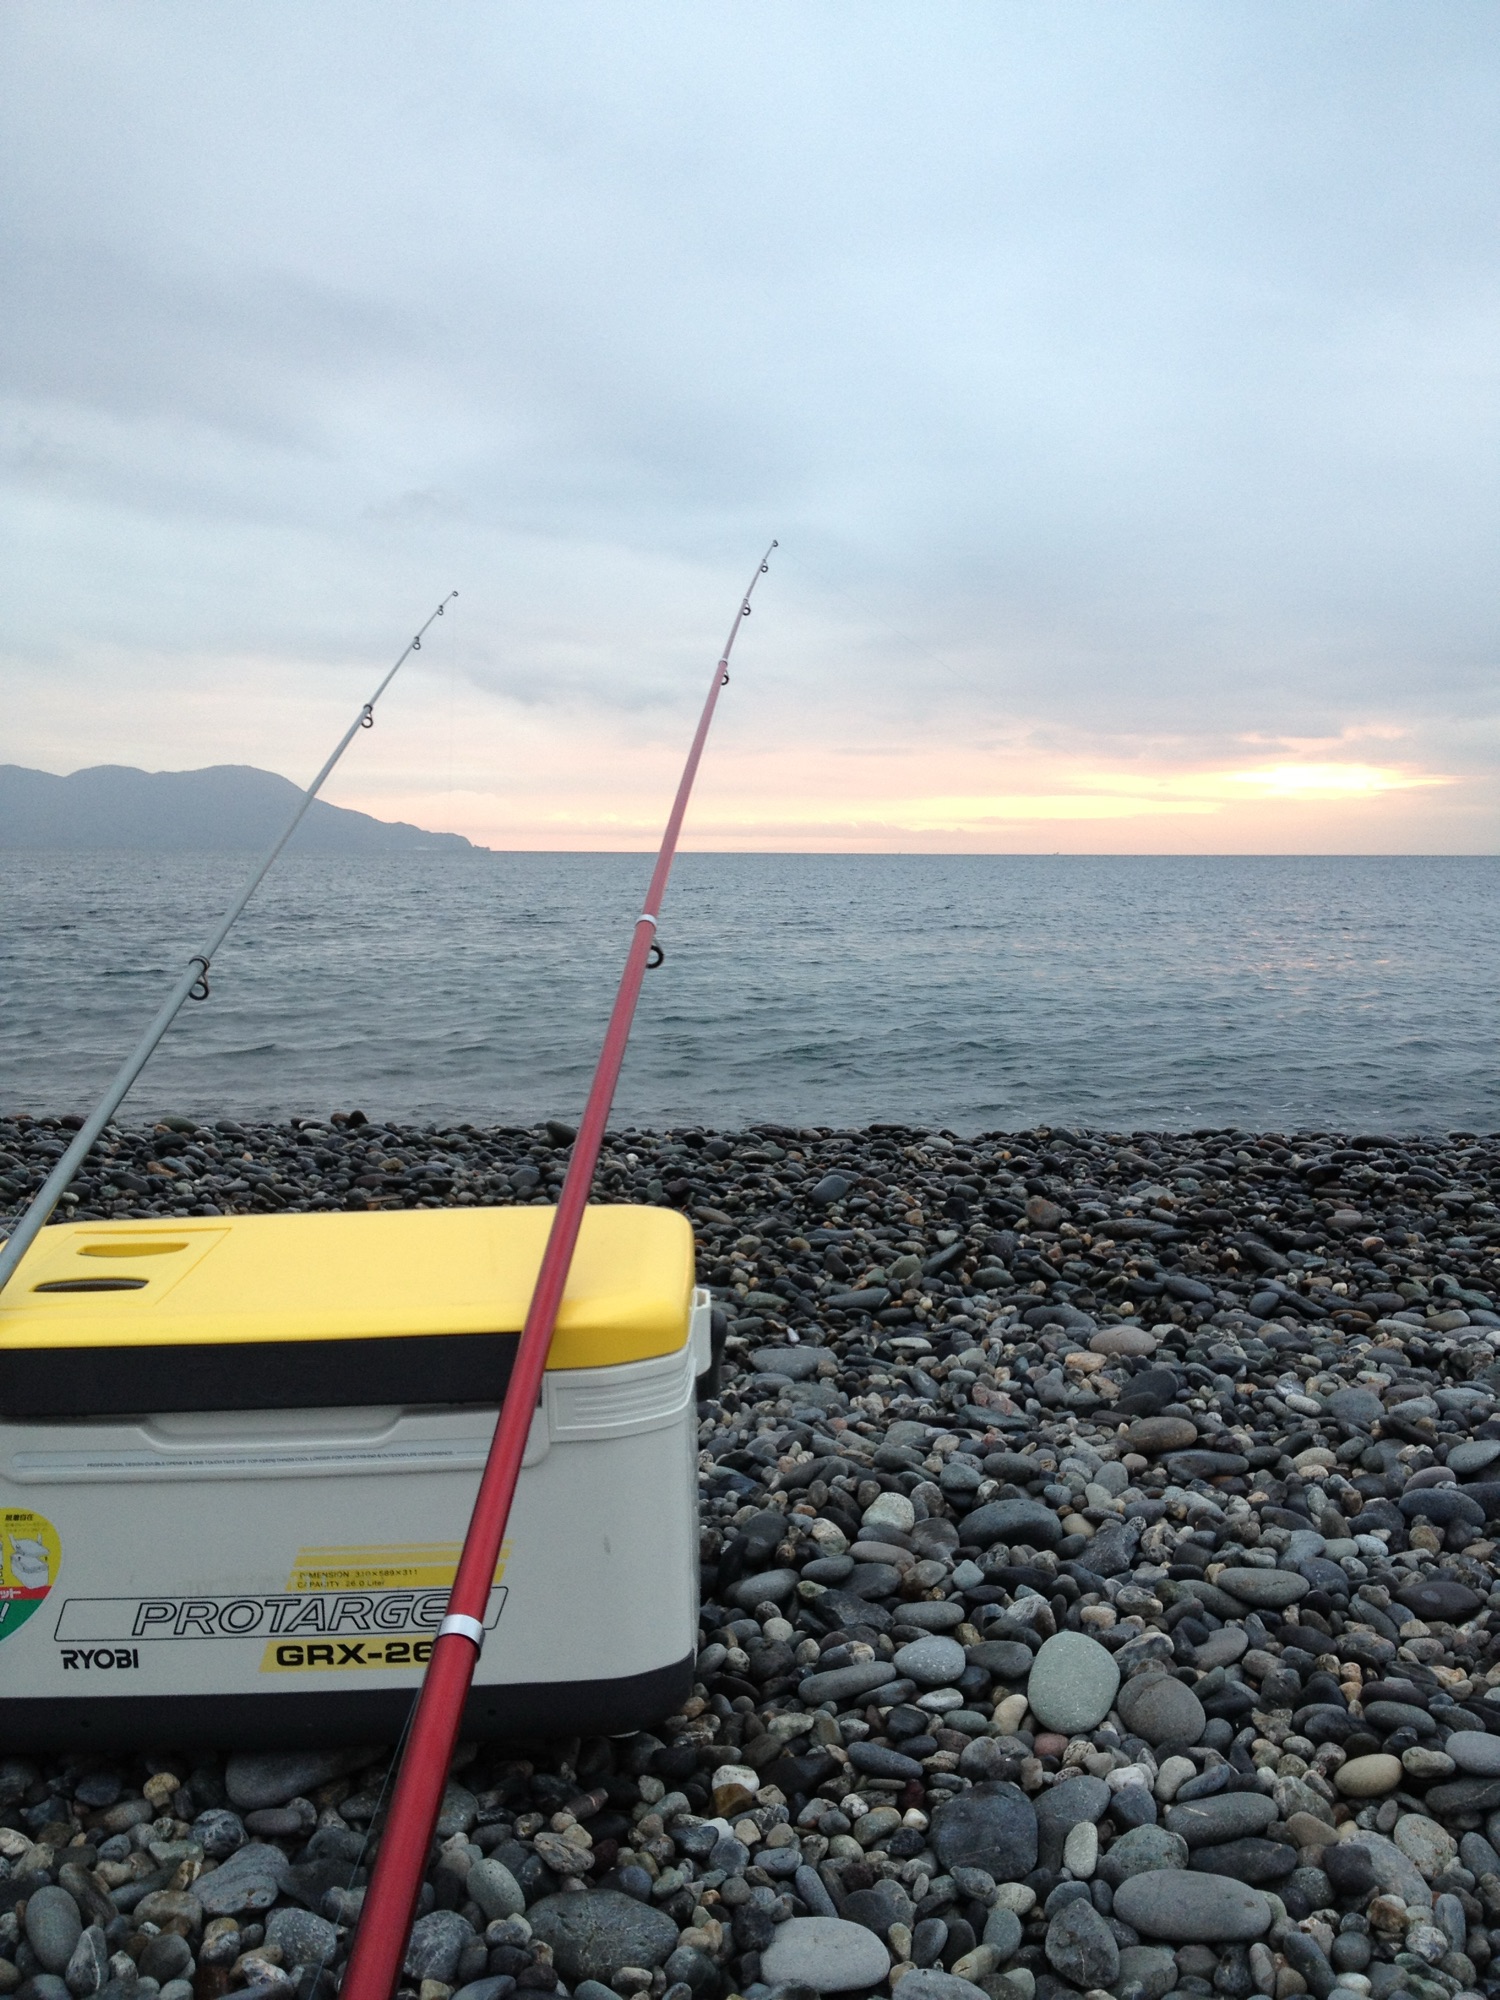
1081, 1850
1134, 1774
1009, 1714
1174, 1773
1014, 1896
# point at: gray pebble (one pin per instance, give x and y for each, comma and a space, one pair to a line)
218, 1832
1478, 1856
1143, 1849
1081, 1947
1394, 1870
878, 1760
255, 1778
1222, 1648
1072, 1802
1150, 1968
810, 1887
771, 1586
1359, 1407
928, 1983
796, 1363
88, 1968
1187, 1908
1475, 1752
1246, 1860
436, 1944
593, 1931
1161, 1709
1465, 1460
1073, 1683
827, 1954
303, 1938
936, 1617
495, 1889
167, 1956
839, 1683
993, 1827
1229, 1816
248, 1881
1264, 1589
933, 1662
53, 1927
50, 1986
1002, 1929
878, 1907
1012, 1521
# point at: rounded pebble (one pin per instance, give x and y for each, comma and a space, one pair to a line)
1073, 1683
1192, 1909
1368, 1777
825, 1953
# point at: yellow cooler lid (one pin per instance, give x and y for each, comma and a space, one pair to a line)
432, 1300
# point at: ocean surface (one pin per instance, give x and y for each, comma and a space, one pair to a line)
968, 992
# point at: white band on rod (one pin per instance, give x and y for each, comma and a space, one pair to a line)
466, 1628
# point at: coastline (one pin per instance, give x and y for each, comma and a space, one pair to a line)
1143, 1222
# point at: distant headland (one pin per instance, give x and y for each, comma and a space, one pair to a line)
225, 807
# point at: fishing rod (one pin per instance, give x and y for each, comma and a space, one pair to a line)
191, 984
391, 1899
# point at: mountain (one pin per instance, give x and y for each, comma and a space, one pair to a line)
228, 806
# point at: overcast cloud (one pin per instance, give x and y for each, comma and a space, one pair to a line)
1120, 380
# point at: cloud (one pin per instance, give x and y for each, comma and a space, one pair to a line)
1120, 381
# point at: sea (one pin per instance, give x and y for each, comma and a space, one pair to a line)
953, 992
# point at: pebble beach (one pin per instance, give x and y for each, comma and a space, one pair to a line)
1099, 1596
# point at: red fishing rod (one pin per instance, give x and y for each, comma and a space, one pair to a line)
391, 1899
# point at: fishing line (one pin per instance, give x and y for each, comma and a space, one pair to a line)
325, 1963
862, 605
191, 984
391, 1899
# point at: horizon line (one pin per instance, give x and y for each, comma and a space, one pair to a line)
821, 854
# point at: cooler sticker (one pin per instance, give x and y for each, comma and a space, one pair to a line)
30, 1556
382, 1566
383, 1575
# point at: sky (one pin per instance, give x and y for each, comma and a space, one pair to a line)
1119, 380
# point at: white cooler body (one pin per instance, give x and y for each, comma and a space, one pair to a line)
276, 1577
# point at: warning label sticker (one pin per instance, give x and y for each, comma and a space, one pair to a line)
382, 1566
30, 1556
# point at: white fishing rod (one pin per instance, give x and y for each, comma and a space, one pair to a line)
191, 984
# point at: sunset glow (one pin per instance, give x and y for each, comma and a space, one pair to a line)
577, 793
1330, 780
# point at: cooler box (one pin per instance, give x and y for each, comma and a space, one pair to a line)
238, 1454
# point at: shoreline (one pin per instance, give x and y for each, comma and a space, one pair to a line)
1319, 1219
1084, 1520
